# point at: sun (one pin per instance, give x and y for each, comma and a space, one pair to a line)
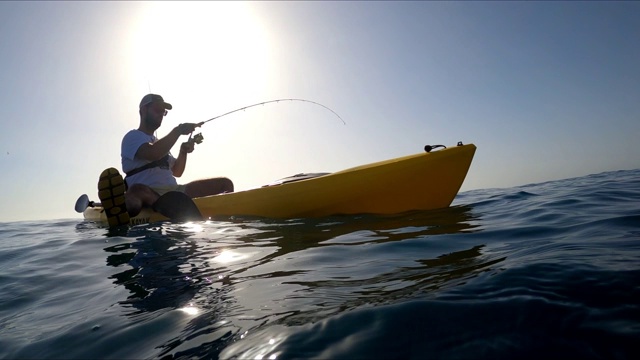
199, 52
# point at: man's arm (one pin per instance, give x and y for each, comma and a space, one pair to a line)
157, 150
181, 161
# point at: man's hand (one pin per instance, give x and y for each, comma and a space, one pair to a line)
187, 128
187, 146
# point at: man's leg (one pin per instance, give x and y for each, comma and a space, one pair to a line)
208, 187
139, 196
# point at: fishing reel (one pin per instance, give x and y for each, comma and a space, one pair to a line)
198, 138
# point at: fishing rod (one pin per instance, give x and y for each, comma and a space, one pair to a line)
272, 101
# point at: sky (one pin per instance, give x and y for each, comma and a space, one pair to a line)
545, 90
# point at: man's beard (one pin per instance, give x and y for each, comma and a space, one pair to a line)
151, 123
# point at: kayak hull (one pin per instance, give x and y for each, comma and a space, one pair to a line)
423, 181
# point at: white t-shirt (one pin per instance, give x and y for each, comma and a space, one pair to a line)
156, 176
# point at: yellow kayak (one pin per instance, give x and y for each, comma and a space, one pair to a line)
424, 181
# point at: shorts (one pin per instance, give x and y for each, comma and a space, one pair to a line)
161, 190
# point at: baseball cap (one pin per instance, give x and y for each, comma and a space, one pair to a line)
151, 98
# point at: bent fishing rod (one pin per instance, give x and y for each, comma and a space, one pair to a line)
274, 101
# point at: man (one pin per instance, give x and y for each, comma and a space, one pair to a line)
151, 169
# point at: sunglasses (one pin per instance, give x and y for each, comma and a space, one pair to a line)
164, 112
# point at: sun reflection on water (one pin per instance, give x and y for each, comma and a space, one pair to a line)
228, 256
190, 310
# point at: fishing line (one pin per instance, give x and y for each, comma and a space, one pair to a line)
272, 101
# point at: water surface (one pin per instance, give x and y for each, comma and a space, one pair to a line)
542, 270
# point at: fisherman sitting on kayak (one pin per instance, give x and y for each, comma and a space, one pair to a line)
151, 169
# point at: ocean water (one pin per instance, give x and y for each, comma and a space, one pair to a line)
549, 270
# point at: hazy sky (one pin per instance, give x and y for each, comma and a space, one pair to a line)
546, 90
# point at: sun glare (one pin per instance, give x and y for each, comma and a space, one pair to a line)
196, 52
